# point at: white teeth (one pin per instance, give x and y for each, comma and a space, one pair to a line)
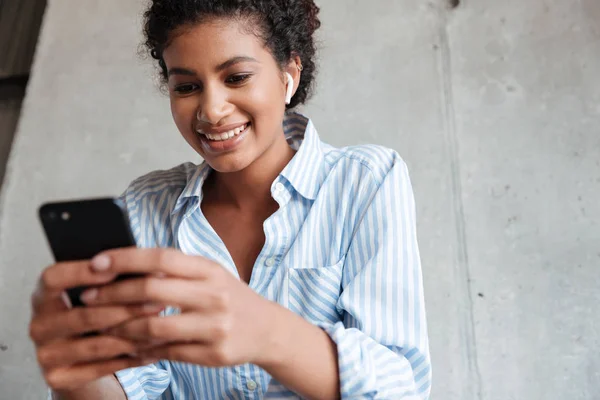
224, 135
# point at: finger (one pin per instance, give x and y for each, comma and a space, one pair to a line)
186, 294
189, 327
43, 302
144, 345
84, 350
70, 274
78, 375
49, 327
154, 261
200, 354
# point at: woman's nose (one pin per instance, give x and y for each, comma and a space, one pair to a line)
214, 107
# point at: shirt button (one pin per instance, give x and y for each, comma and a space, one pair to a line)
270, 262
279, 187
251, 385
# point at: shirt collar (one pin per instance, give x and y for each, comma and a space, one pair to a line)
195, 181
304, 171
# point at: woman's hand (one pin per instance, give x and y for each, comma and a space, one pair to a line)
222, 321
67, 359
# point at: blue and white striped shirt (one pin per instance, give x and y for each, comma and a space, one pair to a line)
341, 251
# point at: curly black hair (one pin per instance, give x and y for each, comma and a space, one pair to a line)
285, 26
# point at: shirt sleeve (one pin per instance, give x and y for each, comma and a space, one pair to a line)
382, 343
145, 383
142, 383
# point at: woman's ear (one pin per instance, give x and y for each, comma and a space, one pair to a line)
294, 69
289, 88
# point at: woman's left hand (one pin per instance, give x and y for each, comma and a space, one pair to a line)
222, 321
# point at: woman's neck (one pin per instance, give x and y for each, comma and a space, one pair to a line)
250, 188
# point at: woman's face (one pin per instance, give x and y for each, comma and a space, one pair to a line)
227, 94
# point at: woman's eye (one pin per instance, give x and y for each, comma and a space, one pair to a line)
237, 79
186, 88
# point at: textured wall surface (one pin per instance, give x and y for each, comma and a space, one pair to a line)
494, 105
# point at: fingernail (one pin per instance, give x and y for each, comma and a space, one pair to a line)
89, 295
65, 298
101, 262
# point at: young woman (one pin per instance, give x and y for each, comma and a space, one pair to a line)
282, 267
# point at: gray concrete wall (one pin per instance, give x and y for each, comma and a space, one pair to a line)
494, 105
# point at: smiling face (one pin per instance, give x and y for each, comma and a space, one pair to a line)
227, 94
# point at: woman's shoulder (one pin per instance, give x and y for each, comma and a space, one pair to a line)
164, 182
378, 160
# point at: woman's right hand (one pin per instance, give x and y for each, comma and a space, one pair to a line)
67, 359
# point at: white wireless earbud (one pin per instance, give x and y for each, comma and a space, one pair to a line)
290, 88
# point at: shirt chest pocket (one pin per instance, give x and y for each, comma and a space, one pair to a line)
313, 292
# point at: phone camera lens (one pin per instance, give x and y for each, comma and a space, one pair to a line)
52, 215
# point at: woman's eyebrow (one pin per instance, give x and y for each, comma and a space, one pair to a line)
232, 61
181, 71
235, 60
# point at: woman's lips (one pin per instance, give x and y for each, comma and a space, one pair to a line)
214, 142
223, 134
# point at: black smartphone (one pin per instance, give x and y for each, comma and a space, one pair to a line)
80, 229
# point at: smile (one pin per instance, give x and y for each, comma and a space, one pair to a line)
219, 137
